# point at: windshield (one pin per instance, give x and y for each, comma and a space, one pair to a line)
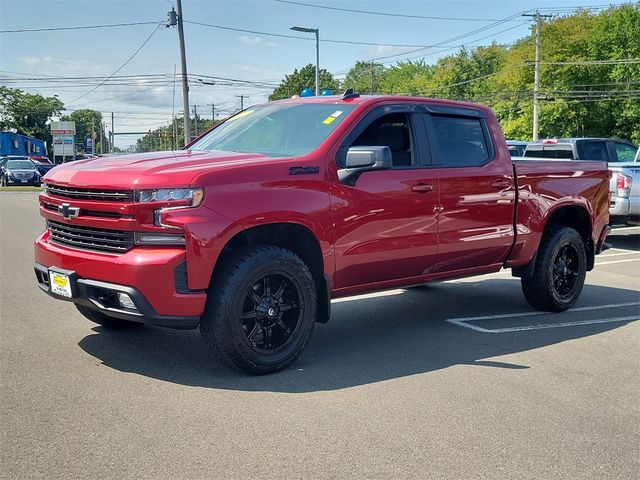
20, 165
276, 130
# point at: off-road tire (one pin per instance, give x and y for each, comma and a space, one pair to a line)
545, 289
223, 323
105, 320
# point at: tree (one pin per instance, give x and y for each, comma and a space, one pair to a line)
407, 78
305, 78
365, 77
27, 113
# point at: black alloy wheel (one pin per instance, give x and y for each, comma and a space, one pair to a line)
272, 312
559, 272
261, 309
565, 271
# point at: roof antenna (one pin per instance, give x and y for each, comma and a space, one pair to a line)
348, 93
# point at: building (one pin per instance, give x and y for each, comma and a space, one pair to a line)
16, 144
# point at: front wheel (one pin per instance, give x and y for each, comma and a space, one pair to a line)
261, 309
559, 273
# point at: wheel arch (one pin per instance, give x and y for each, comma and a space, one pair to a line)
578, 218
292, 236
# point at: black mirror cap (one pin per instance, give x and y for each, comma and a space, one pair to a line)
363, 159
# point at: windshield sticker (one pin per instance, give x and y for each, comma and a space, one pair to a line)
332, 117
240, 115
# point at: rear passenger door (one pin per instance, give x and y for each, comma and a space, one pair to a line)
476, 201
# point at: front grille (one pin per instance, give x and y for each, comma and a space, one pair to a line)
90, 193
90, 238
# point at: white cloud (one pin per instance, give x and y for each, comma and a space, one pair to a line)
249, 40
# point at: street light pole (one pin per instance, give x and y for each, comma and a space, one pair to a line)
316, 31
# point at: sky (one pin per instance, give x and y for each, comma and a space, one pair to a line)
141, 103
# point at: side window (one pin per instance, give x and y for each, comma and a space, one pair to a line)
462, 141
595, 151
624, 152
394, 131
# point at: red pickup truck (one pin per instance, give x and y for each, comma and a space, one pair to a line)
251, 230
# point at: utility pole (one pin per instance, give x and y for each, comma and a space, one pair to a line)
195, 119
536, 72
372, 74
183, 63
242, 97
213, 111
113, 136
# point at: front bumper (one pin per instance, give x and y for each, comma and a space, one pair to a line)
155, 278
101, 296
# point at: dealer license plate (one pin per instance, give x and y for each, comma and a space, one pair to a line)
60, 284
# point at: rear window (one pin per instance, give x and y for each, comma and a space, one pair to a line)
550, 151
462, 141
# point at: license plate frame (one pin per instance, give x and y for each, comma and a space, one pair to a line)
63, 283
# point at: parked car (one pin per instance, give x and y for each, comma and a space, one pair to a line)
600, 149
625, 178
43, 164
251, 230
517, 147
637, 159
16, 170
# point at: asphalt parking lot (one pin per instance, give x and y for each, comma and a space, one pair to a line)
457, 380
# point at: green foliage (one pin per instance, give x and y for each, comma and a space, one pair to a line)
364, 77
27, 113
305, 78
171, 136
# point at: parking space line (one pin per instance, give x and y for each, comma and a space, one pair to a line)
618, 261
542, 326
462, 321
607, 255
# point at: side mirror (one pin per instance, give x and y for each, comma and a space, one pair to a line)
364, 159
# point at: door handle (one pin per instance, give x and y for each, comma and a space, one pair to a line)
422, 188
501, 183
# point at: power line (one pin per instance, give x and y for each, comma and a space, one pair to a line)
56, 29
624, 61
121, 66
386, 14
296, 37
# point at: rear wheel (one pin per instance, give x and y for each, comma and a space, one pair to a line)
261, 309
105, 320
560, 271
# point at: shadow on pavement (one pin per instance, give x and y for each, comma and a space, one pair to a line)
624, 240
367, 340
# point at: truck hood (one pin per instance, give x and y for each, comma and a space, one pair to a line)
148, 170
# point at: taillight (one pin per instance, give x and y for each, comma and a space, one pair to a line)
623, 185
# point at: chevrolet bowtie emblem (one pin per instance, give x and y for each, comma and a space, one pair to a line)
67, 211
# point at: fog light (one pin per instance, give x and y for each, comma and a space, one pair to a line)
125, 301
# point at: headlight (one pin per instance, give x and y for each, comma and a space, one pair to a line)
174, 199
191, 197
